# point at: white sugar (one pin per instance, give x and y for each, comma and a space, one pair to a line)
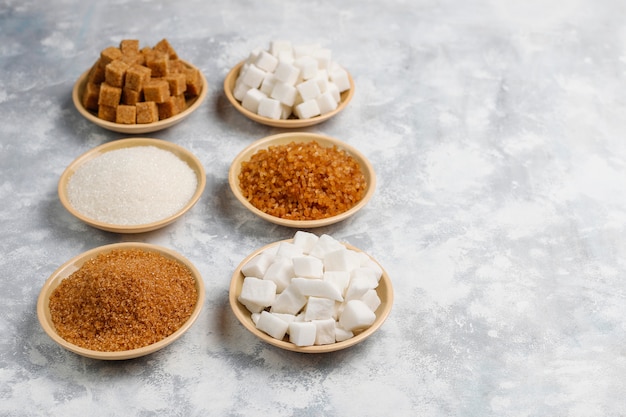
132, 186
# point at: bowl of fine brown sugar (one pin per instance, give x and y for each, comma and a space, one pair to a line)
121, 301
302, 180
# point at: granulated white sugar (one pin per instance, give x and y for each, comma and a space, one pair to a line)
132, 186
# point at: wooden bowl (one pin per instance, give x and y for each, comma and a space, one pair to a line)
384, 290
43, 301
183, 154
192, 105
301, 137
229, 86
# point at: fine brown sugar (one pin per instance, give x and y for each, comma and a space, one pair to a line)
302, 181
124, 299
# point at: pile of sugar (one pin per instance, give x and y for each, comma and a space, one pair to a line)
132, 186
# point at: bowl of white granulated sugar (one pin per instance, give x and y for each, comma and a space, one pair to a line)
132, 185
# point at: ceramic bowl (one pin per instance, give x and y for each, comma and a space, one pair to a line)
384, 290
229, 86
192, 105
43, 302
182, 153
301, 137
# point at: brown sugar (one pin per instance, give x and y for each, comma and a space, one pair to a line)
302, 181
157, 90
177, 83
115, 73
109, 95
164, 46
126, 114
147, 112
108, 113
122, 300
159, 63
110, 54
129, 46
91, 95
96, 74
131, 97
136, 76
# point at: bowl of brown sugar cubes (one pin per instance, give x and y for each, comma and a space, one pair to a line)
139, 90
132, 185
121, 301
302, 180
289, 85
311, 294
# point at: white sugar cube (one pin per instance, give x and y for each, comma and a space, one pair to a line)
322, 80
325, 243
240, 90
284, 92
287, 73
285, 56
304, 49
334, 91
253, 76
287, 318
323, 56
290, 301
278, 46
373, 265
285, 111
302, 333
266, 61
356, 315
270, 108
326, 102
280, 272
309, 90
257, 266
316, 288
360, 282
257, 292
339, 279
305, 241
255, 317
339, 76
342, 334
341, 260
252, 99
308, 267
254, 54
307, 65
318, 308
324, 331
272, 325
288, 250
307, 109
371, 299
268, 83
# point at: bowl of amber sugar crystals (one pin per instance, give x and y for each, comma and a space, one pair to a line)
121, 301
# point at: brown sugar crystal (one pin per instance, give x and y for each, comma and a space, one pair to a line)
129, 46
147, 112
131, 97
302, 181
136, 76
157, 90
159, 63
109, 95
108, 113
110, 54
115, 73
122, 300
126, 114
177, 83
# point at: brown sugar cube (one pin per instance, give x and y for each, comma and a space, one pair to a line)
136, 76
147, 112
107, 113
126, 114
156, 89
131, 97
168, 108
129, 46
159, 63
110, 54
194, 82
177, 66
109, 95
133, 59
177, 83
91, 95
181, 103
166, 47
115, 73
96, 73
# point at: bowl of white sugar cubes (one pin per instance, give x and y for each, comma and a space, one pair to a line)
132, 185
311, 294
289, 85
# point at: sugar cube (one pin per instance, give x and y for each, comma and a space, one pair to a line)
309, 90
270, 108
266, 61
356, 315
278, 46
257, 266
290, 301
253, 76
318, 308
324, 244
308, 266
339, 76
326, 102
305, 241
339, 279
371, 299
316, 288
284, 92
288, 250
252, 99
342, 334
324, 331
257, 292
287, 73
307, 66
341, 260
272, 325
280, 272
307, 109
302, 333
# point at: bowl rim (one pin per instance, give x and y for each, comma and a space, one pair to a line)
192, 105
244, 317
229, 83
72, 265
185, 155
284, 138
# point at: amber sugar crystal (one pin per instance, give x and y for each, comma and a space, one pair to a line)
302, 181
122, 300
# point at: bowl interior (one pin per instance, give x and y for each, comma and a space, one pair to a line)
385, 293
182, 153
229, 86
192, 105
301, 137
43, 301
